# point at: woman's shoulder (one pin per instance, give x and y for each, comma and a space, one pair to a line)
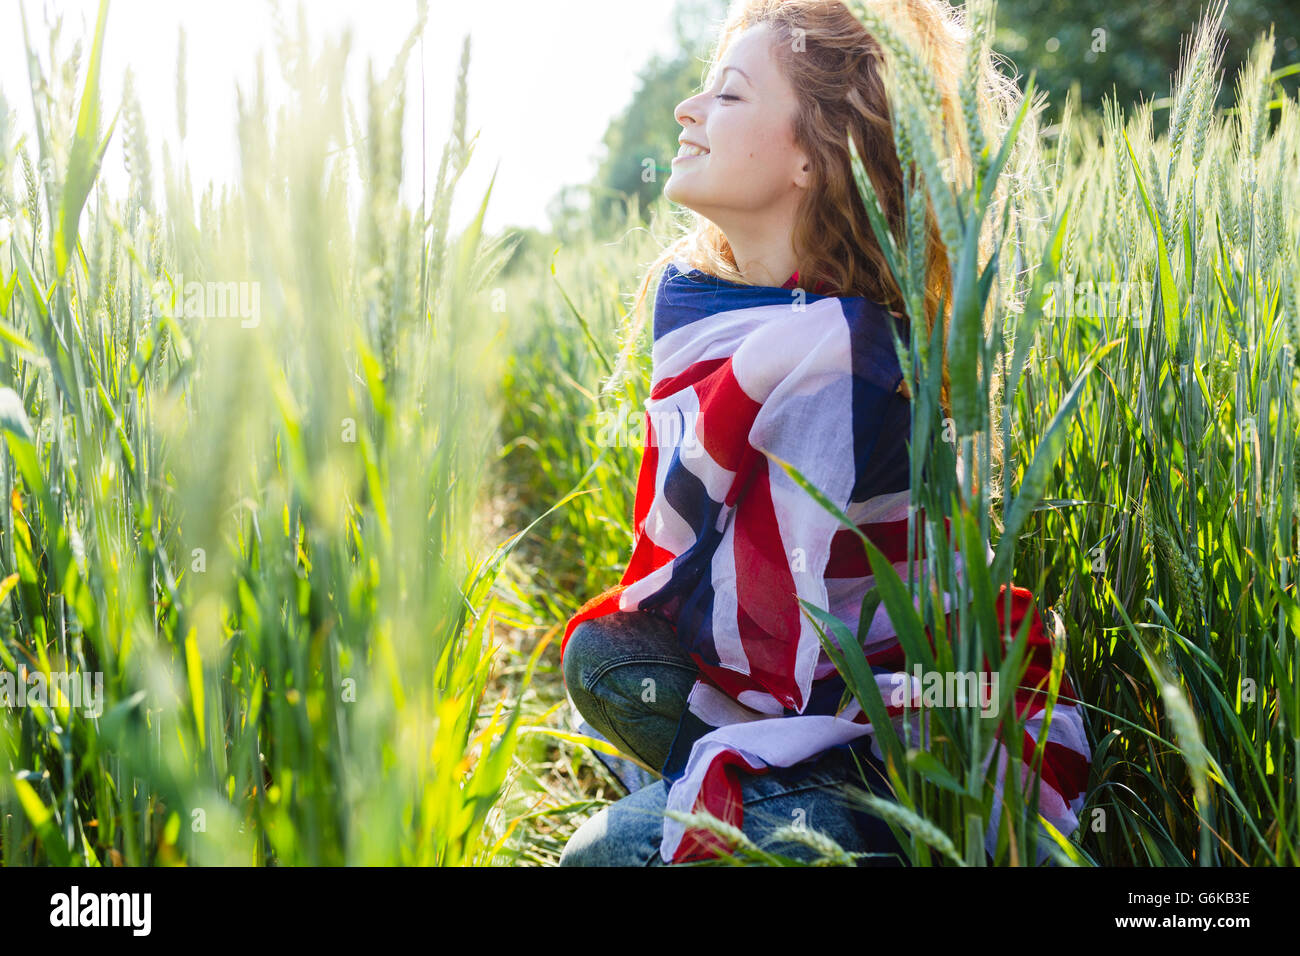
674, 304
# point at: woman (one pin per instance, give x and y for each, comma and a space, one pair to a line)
700, 664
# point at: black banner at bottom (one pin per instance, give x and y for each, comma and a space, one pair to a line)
138, 906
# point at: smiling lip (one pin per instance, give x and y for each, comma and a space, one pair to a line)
685, 143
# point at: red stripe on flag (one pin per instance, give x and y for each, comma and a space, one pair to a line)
848, 557
647, 557
731, 411
720, 796
693, 374
768, 612
1064, 770
732, 683
646, 479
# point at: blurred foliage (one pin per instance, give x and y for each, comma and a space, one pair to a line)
1129, 49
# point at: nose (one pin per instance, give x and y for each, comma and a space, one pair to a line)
688, 111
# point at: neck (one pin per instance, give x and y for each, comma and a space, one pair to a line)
763, 256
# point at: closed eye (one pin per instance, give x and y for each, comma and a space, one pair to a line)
725, 96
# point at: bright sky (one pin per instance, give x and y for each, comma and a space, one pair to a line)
544, 80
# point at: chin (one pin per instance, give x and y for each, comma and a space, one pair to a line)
681, 196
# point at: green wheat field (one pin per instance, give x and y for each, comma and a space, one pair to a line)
286, 586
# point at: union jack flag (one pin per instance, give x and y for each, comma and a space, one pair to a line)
726, 543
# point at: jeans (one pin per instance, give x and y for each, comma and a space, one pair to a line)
629, 679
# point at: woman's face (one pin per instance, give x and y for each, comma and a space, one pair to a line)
752, 173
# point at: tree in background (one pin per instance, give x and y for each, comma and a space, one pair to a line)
1129, 48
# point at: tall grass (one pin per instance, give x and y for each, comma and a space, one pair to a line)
1162, 425
257, 528
1175, 555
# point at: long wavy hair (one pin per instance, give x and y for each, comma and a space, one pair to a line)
839, 73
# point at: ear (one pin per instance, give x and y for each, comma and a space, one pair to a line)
802, 169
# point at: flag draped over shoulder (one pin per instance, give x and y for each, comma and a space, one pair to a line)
726, 543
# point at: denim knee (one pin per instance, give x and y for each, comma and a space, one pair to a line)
629, 679
598, 646
587, 647
570, 666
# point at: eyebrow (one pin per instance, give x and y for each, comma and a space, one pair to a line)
740, 71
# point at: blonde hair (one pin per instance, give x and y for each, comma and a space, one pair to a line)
839, 75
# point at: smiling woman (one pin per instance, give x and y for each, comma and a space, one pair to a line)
702, 662
739, 165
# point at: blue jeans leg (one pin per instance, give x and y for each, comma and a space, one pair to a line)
629, 678
814, 795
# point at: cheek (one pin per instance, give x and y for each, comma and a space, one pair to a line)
740, 144
762, 153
